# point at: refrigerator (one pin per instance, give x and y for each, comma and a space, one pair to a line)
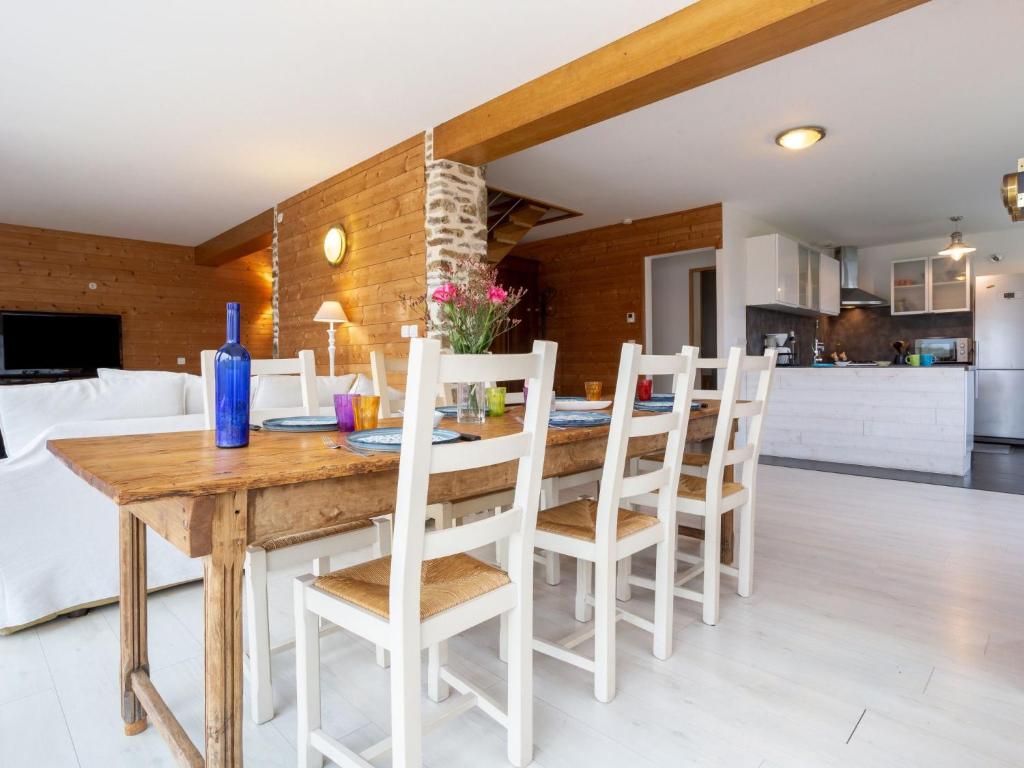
999, 357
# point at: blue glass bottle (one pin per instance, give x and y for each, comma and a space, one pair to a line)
231, 375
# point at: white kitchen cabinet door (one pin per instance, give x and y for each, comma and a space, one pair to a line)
788, 271
829, 285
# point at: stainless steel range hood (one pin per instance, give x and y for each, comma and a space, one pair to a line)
850, 294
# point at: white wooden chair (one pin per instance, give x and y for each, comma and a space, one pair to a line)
430, 589
709, 497
449, 513
600, 534
357, 542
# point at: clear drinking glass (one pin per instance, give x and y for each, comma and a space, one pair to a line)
472, 404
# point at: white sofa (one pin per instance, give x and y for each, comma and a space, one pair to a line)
58, 535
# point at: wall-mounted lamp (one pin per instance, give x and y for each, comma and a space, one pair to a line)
330, 312
335, 245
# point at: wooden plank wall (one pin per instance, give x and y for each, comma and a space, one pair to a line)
597, 277
380, 203
171, 307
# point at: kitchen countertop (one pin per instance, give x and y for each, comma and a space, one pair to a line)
938, 367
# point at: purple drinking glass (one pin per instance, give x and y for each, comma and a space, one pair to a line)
344, 409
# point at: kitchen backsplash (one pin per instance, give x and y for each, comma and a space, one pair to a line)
864, 333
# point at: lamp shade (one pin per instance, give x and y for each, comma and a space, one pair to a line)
330, 312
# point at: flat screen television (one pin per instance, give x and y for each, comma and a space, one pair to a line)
58, 343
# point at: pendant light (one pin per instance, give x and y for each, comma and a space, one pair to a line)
957, 247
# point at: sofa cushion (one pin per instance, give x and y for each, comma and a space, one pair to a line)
28, 409
194, 394
271, 391
329, 386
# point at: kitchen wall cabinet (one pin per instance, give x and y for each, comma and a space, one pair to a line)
930, 284
830, 274
790, 276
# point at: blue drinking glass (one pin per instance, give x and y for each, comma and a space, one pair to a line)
231, 367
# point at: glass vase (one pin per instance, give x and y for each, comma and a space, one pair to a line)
471, 404
231, 388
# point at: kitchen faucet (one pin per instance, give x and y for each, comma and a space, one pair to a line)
819, 346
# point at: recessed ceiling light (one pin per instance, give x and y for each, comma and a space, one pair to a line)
800, 138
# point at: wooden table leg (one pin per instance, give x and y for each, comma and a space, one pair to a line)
728, 534
222, 573
134, 649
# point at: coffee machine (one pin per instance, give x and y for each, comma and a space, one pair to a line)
784, 345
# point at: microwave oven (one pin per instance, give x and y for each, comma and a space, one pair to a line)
945, 350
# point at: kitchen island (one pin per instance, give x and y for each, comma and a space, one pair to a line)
898, 417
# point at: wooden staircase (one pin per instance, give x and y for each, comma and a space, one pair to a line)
510, 216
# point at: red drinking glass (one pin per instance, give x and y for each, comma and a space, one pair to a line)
644, 389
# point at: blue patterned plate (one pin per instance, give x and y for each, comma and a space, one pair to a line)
660, 405
452, 411
578, 419
580, 404
301, 424
390, 438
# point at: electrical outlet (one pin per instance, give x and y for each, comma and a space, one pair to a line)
405, 331
631, 317
414, 331
181, 361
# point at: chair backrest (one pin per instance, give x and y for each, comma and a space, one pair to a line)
428, 368
304, 365
625, 424
732, 409
380, 366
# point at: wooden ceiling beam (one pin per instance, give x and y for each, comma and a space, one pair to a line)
248, 237
701, 43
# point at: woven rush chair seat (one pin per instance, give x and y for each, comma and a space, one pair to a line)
301, 538
691, 459
578, 519
445, 583
696, 488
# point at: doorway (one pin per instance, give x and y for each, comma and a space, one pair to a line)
680, 306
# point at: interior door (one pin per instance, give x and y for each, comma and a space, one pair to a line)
516, 272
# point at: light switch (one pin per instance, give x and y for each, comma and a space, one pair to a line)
631, 317
181, 361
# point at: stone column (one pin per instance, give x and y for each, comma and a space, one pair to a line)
456, 213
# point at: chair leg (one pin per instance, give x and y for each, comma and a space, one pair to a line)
622, 588
501, 547
584, 572
307, 679
382, 548
258, 629
520, 679
552, 569
552, 564
604, 630
437, 657
745, 564
406, 719
712, 566
664, 593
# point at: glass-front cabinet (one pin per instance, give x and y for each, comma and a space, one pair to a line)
950, 284
930, 284
809, 262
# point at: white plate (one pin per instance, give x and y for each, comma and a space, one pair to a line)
580, 404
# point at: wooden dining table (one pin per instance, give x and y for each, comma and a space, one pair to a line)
213, 503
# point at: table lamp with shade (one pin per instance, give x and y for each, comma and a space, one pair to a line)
330, 312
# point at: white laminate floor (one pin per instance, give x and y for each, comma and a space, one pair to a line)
887, 629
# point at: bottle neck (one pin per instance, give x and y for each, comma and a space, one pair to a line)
233, 323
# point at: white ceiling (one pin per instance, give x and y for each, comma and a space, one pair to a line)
924, 113
175, 121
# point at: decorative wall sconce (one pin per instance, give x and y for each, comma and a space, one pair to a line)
335, 245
